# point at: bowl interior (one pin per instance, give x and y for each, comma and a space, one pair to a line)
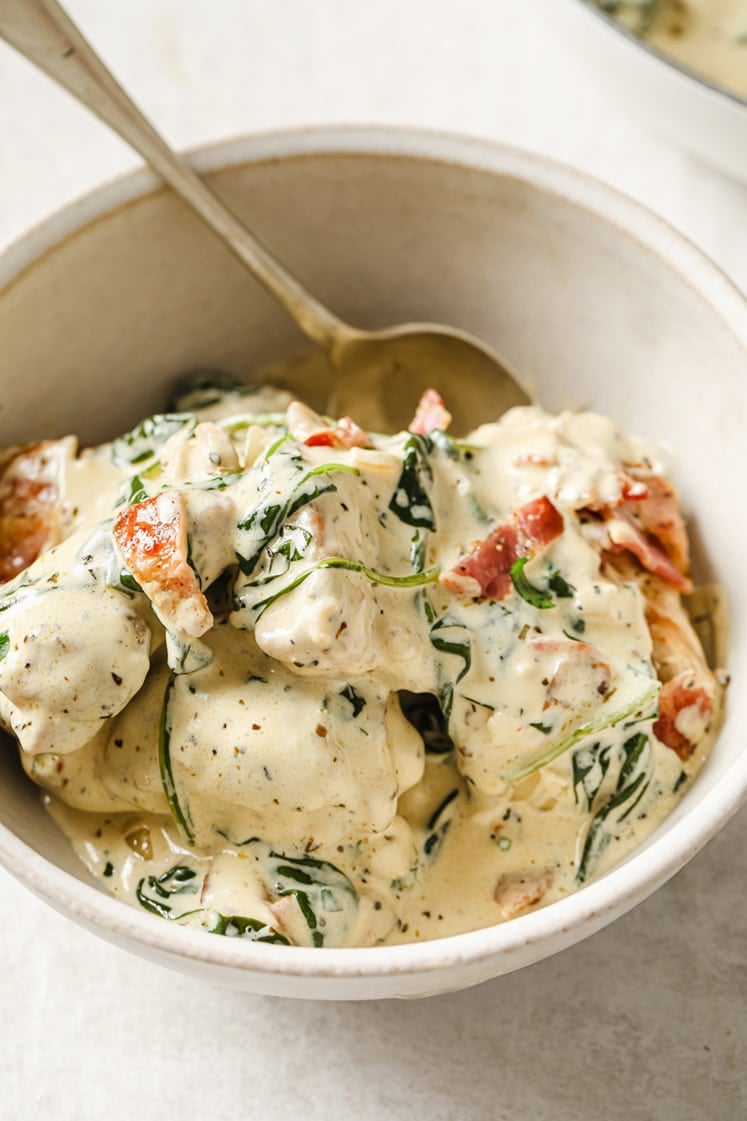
538, 262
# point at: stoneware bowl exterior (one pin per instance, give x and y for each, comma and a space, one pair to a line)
598, 303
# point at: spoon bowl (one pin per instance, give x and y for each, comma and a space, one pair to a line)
381, 375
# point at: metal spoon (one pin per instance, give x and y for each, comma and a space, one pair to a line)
378, 376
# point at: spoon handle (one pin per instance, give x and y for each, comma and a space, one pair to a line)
43, 32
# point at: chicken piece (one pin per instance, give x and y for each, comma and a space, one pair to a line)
152, 539
309, 428
689, 693
189, 456
72, 661
517, 891
31, 483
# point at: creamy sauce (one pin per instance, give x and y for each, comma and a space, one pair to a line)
707, 36
211, 675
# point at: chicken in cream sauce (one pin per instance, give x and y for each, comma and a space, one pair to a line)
286, 680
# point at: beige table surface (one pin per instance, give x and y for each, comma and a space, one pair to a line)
646, 1021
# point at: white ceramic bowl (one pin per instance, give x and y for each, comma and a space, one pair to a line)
697, 114
593, 298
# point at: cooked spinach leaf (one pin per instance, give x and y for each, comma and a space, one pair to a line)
265, 521
129, 583
455, 641
133, 491
443, 805
642, 709
450, 637
559, 585
418, 545
633, 749
241, 926
425, 714
325, 896
632, 783
437, 825
447, 444
178, 807
414, 580
410, 501
535, 596
590, 765
143, 442
203, 388
356, 700
152, 891
289, 545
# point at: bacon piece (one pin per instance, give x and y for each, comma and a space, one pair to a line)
486, 571
633, 490
152, 539
540, 522
685, 710
30, 504
647, 522
345, 434
309, 428
629, 489
431, 414
660, 516
689, 688
624, 535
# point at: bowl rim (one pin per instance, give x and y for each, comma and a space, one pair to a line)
561, 923
680, 68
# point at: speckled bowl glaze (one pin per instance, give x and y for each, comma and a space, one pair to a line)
596, 301
696, 114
